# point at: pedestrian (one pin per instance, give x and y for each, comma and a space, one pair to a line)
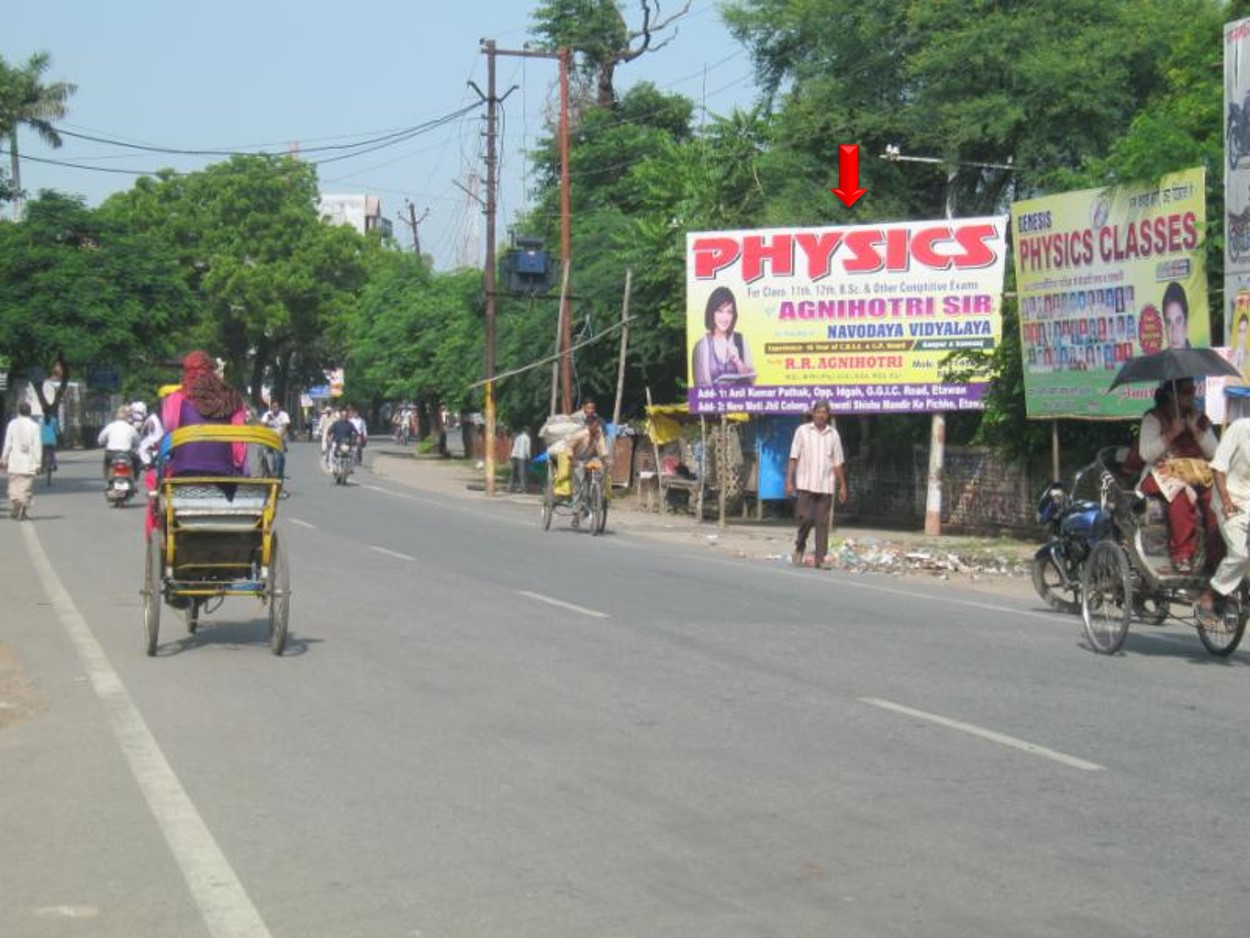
22, 458
816, 473
1231, 470
520, 458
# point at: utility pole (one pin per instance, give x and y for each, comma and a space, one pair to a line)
413, 222
564, 55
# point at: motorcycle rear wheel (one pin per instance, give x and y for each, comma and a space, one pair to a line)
1048, 581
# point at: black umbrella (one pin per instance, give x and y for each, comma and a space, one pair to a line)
1175, 364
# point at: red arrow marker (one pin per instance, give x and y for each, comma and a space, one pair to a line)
848, 175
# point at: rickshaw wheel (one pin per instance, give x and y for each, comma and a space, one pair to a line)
598, 509
1223, 643
549, 501
1048, 582
1106, 597
152, 589
278, 591
1151, 609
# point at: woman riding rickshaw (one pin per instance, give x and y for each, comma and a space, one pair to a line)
209, 527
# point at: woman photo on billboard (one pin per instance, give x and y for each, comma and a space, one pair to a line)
721, 356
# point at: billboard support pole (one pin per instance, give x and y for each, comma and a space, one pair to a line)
1054, 450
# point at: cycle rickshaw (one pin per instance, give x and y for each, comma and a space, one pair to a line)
587, 499
214, 537
1127, 574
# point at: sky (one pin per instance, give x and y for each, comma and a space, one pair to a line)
265, 75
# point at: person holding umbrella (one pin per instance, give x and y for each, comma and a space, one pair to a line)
1175, 443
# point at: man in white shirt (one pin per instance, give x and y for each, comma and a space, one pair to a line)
362, 432
120, 436
520, 456
1231, 468
22, 457
816, 472
279, 421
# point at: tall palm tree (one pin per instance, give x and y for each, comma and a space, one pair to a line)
24, 99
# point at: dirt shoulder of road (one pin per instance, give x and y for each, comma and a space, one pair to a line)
998, 565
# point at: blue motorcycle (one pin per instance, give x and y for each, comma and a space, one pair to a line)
1075, 526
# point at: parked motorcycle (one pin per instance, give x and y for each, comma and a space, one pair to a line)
1075, 527
343, 460
120, 483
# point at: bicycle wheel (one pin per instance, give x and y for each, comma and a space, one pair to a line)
278, 592
549, 502
1222, 640
152, 589
598, 510
1106, 597
1049, 583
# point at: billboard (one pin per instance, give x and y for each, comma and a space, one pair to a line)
1104, 275
862, 316
1237, 192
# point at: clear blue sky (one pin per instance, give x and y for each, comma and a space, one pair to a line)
263, 74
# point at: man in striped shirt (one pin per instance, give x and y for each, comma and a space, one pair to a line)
816, 473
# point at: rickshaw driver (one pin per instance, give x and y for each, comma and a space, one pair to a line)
583, 445
1231, 468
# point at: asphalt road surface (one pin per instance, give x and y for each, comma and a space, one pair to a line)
482, 729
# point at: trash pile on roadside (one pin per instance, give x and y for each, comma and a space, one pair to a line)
876, 557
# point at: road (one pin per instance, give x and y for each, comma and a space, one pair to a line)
481, 729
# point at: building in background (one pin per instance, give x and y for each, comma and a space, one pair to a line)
362, 212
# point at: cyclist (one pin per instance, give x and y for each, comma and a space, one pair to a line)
362, 432
581, 446
49, 430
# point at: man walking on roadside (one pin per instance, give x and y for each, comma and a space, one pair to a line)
520, 458
816, 472
21, 458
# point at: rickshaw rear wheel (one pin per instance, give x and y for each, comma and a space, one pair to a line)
1151, 609
1222, 642
152, 589
278, 590
1106, 597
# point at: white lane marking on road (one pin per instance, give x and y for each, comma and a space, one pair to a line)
378, 488
391, 553
304, 524
1000, 738
223, 902
563, 605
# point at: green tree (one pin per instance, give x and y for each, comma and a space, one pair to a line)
271, 277
25, 101
598, 32
80, 289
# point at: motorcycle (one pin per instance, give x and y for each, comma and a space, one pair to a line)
119, 483
1075, 527
343, 461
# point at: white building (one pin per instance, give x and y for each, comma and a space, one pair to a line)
362, 212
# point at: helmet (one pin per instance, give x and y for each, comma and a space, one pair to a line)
1051, 502
139, 409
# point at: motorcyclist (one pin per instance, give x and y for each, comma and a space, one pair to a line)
150, 432
120, 437
343, 430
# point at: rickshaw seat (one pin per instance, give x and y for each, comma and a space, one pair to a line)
207, 507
